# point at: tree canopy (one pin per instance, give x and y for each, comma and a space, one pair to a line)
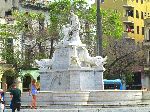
31, 26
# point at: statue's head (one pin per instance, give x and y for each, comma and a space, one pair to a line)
71, 12
100, 60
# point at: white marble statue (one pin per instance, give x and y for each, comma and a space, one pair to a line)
74, 21
76, 54
98, 61
71, 31
75, 28
89, 61
71, 67
44, 63
66, 31
75, 62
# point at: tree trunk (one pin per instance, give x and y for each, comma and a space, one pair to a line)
52, 49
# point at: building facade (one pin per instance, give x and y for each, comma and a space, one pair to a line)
133, 13
6, 6
146, 45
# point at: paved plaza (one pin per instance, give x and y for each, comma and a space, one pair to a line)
141, 107
124, 109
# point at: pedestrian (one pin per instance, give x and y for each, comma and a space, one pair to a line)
2, 101
15, 95
33, 92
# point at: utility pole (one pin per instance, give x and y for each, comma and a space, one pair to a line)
99, 30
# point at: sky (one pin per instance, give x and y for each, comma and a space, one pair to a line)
90, 1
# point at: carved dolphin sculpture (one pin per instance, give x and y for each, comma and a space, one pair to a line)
44, 63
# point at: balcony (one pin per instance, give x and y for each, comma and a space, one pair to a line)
128, 19
128, 4
147, 67
128, 35
146, 43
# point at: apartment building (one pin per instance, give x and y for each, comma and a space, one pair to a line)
133, 13
146, 46
6, 7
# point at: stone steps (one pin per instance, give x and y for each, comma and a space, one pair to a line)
112, 105
82, 98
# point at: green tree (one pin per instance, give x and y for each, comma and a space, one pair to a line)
111, 23
123, 56
22, 29
59, 15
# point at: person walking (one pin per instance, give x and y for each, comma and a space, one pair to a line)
2, 101
15, 95
33, 91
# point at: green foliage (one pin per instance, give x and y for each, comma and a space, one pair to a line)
112, 26
123, 55
10, 72
23, 20
8, 54
59, 16
22, 25
129, 78
7, 31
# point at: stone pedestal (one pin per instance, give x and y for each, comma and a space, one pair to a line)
66, 57
83, 79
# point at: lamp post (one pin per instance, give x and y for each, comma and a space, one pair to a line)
99, 30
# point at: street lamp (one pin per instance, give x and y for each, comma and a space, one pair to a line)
99, 30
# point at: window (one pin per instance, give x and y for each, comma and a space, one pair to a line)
10, 41
137, 14
148, 14
149, 55
149, 35
137, 79
142, 30
8, 13
130, 28
137, 29
145, 13
141, 1
102, 1
116, 11
129, 13
142, 16
26, 83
